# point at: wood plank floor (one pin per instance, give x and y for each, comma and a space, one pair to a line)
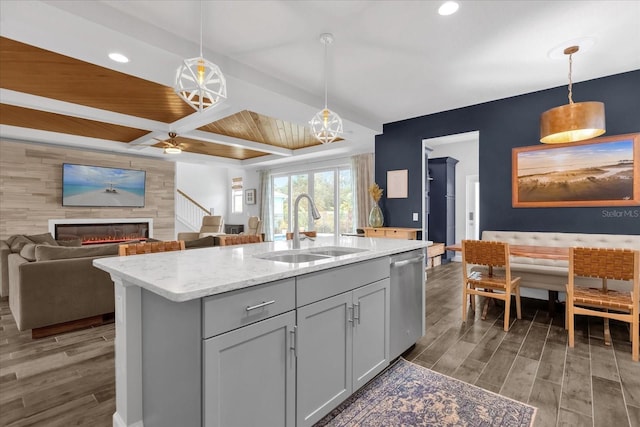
68, 379
63, 380
588, 385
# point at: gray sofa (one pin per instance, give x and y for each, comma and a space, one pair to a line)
50, 284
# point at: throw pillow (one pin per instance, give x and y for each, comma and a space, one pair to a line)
18, 243
47, 253
10, 239
70, 242
28, 252
42, 238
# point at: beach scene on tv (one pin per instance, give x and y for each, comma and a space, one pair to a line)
602, 171
99, 186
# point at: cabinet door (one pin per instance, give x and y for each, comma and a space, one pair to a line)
324, 357
370, 331
249, 375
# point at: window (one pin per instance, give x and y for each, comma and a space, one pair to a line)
331, 191
236, 195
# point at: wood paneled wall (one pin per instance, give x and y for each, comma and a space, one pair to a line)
31, 188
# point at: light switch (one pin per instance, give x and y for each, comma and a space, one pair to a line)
415, 216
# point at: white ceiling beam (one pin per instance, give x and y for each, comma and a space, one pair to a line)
199, 119
237, 142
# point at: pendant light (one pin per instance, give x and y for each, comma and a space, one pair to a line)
199, 82
326, 126
574, 121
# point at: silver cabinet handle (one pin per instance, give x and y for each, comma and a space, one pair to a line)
356, 312
350, 314
262, 304
294, 341
407, 261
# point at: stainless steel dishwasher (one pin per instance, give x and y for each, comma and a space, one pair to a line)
407, 301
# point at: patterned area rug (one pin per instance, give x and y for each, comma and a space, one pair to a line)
411, 395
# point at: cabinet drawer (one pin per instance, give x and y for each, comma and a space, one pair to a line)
316, 286
399, 234
232, 310
374, 232
435, 249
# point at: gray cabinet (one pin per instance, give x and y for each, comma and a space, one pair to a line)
370, 331
442, 202
249, 375
248, 357
343, 342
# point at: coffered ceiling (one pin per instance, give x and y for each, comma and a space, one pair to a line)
391, 60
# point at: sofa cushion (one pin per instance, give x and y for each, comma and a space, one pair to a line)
46, 252
203, 242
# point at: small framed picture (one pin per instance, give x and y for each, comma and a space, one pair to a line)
250, 196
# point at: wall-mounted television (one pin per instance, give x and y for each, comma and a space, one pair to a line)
84, 185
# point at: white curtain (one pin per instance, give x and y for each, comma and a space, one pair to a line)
266, 213
362, 174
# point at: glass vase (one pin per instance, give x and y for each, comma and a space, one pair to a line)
376, 219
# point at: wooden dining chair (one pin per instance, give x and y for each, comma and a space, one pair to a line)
150, 247
485, 282
237, 239
612, 264
302, 233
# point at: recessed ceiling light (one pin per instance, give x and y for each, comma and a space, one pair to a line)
448, 8
584, 43
118, 57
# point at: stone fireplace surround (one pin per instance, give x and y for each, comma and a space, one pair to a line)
101, 230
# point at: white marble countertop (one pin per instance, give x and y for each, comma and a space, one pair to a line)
196, 273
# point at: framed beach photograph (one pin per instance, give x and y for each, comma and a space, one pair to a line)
250, 196
597, 172
98, 186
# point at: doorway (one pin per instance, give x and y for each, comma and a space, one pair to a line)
472, 207
465, 148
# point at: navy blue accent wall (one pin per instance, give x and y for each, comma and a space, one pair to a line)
503, 125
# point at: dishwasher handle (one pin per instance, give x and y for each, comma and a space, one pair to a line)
402, 263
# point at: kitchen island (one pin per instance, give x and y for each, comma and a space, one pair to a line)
222, 336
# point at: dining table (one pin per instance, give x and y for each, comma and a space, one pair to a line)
542, 252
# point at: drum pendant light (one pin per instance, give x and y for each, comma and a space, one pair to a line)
574, 121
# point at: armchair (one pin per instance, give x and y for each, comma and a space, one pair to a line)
212, 225
254, 226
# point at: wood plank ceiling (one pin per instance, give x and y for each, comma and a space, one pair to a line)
35, 71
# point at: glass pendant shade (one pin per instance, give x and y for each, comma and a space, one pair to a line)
200, 83
572, 122
326, 126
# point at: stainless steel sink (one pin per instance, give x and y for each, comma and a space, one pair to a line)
309, 254
334, 251
293, 257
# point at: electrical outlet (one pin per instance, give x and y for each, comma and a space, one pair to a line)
415, 216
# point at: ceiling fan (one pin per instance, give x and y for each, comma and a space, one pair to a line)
171, 145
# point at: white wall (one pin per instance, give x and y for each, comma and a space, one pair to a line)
467, 153
207, 185
250, 181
